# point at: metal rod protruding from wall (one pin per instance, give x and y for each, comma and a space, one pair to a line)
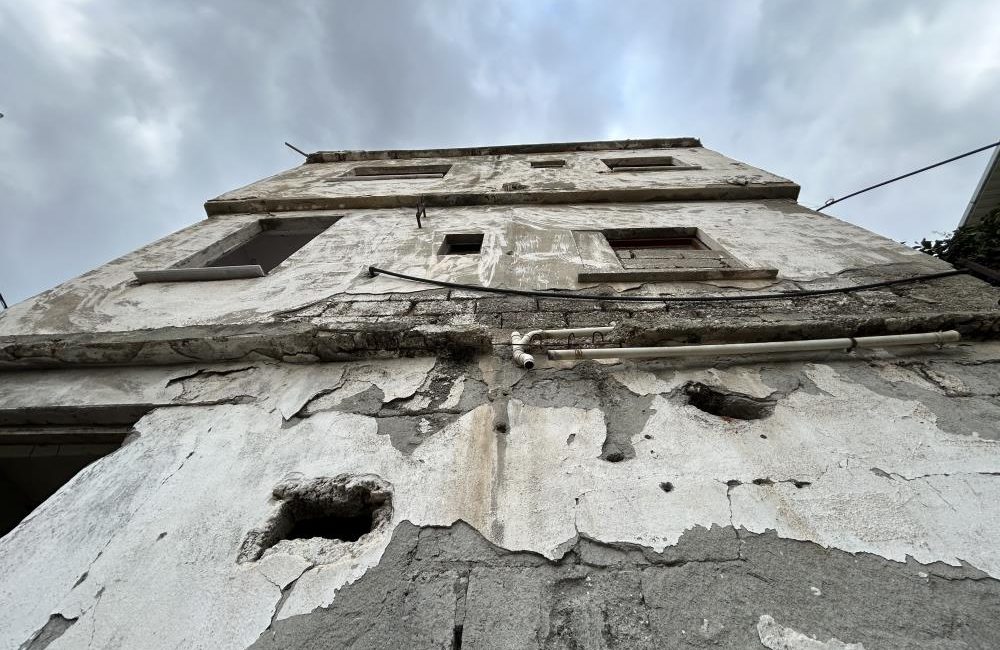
296, 149
421, 212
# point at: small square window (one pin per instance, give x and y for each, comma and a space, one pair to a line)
252, 253
547, 164
647, 164
461, 244
395, 172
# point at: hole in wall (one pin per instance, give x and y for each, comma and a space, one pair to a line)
615, 457
328, 510
667, 486
343, 528
727, 404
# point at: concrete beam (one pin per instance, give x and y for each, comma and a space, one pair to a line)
705, 192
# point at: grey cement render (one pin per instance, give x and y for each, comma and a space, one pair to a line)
810, 501
717, 588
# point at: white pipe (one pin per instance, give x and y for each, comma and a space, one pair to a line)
520, 341
757, 348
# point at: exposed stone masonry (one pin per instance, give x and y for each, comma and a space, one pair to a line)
450, 588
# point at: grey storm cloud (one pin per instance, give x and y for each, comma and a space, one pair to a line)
123, 116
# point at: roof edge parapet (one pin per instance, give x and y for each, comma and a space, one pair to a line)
506, 149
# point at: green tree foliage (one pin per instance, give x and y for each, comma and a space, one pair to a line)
978, 243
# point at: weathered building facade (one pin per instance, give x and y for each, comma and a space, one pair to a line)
243, 436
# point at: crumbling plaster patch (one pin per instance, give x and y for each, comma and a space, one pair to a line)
203, 474
778, 637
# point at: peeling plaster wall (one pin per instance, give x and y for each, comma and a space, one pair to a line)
860, 455
524, 248
822, 500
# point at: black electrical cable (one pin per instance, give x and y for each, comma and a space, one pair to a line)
373, 271
907, 175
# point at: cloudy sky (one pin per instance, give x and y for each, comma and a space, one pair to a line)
123, 116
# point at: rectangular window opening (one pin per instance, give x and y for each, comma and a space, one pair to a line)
677, 254
547, 164
42, 449
647, 164
624, 239
269, 244
461, 244
396, 172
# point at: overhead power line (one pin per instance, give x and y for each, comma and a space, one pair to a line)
914, 172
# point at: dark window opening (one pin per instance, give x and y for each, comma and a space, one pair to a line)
674, 243
461, 244
271, 243
275, 243
547, 164
42, 449
378, 172
625, 240
646, 163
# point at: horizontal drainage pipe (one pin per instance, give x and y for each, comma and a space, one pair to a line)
758, 348
520, 341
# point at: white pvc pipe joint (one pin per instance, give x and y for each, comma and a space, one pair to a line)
520, 341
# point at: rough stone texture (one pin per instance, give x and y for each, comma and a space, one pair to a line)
719, 588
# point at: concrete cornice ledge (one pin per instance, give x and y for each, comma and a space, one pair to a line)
288, 342
735, 191
505, 149
303, 342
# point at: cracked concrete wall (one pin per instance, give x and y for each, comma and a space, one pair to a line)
524, 248
824, 500
874, 474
